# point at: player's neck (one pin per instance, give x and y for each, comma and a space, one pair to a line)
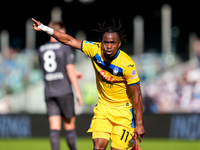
52, 40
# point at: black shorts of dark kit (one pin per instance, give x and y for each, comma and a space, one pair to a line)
62, 106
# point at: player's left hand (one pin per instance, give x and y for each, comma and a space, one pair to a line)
139, 132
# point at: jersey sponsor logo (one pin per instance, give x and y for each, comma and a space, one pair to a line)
54, 76
103, 74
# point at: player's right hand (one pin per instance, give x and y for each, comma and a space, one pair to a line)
79, 75
36, 24
139, 132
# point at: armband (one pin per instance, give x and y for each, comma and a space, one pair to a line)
46, 29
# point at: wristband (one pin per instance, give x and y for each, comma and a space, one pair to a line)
46, 29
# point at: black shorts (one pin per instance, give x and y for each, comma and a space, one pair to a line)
62, 106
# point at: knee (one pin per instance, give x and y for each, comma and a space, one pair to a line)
69, 124
100, 144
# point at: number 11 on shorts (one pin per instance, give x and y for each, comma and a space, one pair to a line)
125, 135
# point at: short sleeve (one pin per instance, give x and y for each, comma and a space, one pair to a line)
69, 55
90, 48
131, 74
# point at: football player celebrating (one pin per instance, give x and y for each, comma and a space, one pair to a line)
119, 113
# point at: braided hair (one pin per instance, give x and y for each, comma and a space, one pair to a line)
112, 29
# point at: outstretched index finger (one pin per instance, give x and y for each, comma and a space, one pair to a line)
37, 22
34, 20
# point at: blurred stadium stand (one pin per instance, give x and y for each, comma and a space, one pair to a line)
168, 84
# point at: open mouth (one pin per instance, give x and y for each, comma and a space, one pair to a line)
108, 52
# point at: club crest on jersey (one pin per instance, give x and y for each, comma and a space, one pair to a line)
115, 71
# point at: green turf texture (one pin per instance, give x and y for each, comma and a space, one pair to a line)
86, 144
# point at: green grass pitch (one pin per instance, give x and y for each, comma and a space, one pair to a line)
86, 144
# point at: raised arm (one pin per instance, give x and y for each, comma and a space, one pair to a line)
139, 129
61, 37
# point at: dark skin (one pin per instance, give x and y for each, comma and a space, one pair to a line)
110, 45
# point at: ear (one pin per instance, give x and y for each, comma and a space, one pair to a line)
119, 44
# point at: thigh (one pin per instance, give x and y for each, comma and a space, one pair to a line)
121, 137
53, 108
100, 122
66, 104
122, 131
55, 122
101, 135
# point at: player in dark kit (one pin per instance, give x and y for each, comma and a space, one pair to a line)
56, 60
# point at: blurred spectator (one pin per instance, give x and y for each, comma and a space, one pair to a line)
172, 94
16, 68
150, 99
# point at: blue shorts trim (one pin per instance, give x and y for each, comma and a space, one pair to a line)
133, 119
